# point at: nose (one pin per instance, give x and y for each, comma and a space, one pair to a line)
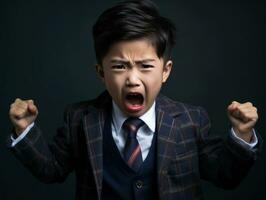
133, 79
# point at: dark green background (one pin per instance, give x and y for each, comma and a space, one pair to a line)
47, 55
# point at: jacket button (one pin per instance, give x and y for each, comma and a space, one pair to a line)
139, 184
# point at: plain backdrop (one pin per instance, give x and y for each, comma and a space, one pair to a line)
47, 55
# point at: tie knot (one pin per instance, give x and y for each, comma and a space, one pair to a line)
132, 124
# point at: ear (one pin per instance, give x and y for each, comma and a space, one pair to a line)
167, 69
99, 70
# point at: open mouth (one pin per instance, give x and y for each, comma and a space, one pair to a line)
135, 98
134, 101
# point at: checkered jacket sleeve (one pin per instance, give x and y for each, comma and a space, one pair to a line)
48, 162
223, 162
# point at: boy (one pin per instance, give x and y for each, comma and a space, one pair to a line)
131, 142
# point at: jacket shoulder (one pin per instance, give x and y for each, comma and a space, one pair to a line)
187, 115
174, 107
102, 102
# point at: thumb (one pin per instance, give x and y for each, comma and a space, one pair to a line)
32, 108
232, 107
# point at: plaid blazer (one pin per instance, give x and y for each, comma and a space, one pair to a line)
186, 152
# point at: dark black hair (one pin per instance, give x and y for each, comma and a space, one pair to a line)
131, 20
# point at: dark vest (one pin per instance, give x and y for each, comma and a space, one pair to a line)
119, 180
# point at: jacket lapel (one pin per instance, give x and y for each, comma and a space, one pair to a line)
167, 138
93, 124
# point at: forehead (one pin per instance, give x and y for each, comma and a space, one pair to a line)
133, 49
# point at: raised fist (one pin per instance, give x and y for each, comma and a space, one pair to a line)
22, 113
243, 117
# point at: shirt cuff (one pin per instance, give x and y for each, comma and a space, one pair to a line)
22, 135
248, 145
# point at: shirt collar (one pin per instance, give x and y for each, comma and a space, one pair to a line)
119, 117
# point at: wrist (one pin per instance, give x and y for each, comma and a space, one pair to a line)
18, 131
246, 135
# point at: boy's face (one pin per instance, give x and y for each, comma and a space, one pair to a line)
133, 75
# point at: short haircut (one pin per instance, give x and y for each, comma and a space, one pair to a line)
131, 20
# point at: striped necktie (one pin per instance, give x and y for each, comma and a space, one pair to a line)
132, 151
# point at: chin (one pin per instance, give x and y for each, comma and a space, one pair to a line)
136, 114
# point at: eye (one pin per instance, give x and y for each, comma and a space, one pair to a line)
146, 66
118, 67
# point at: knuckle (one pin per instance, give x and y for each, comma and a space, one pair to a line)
18, 111
23, 104
17, 100
249, 103
12, 110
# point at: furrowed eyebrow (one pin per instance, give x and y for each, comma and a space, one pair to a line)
127, 62
144, 61
119, 61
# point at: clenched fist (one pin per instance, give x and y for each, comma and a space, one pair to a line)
243, 118
22, 113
